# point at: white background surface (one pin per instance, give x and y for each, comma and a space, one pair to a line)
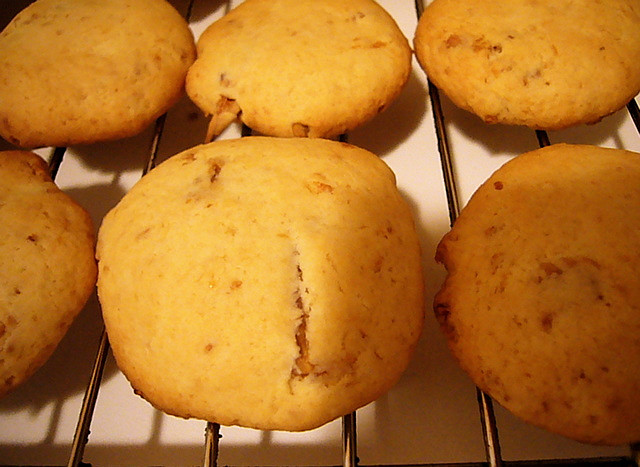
431, 416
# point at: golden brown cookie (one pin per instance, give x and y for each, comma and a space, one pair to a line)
542, 64
272, 283
541, 305
299, 68
47, 265
81, 71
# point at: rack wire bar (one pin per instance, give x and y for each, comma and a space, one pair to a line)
634, 111
451, 186
443, 145
485, 404
56, 160
155, 142
88, 403
81, 436
489, 430
349, 444
211, 444
543, 138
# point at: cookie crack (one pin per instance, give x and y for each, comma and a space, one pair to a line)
302, 365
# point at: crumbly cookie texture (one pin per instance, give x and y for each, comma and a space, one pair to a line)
541, 304
541, 64
299, 68
272, 283
81, 71
47, 271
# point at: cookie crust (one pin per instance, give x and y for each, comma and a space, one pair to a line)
82, 71
541, 64
48, 268
264, 282
299, 68
541, 304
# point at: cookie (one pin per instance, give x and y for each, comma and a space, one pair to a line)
541, 304
81, 71
542, 64
292, 68
271, 283
47, 265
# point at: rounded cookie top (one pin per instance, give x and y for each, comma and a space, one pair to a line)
540, 304
272, 283
542, 64
299, 68
48, 267
81, 71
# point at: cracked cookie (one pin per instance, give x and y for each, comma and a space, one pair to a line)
81, 71
542, 64
299, 68
541, 304
47, 271
272, 283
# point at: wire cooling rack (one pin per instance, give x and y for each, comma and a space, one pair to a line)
440, 155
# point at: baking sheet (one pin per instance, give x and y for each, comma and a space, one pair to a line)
431, 416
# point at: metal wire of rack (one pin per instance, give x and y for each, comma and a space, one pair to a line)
212, 435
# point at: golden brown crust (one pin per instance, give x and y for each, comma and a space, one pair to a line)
540, 305
520, 62
295, 69
265, 282
48, 267
81, 71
